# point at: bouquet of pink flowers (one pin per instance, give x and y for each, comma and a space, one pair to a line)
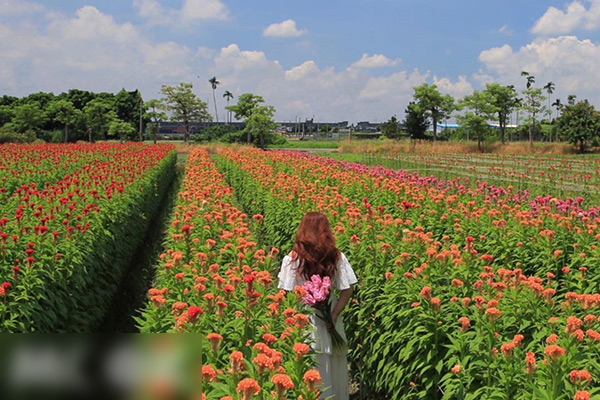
316, 294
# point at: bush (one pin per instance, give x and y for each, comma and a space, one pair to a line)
14, 137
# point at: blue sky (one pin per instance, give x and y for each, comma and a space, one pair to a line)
335, 60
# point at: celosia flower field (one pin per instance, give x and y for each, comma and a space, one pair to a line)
216, 279
71, 217
559, 175
465, 292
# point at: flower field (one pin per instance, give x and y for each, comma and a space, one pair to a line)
215, 278
465, 292
71, 218
559, 175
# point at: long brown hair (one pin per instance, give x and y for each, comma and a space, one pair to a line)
314, 248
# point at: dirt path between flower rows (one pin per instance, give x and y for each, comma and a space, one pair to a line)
130, 297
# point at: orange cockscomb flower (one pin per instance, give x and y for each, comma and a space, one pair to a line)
237, 361
465, 323
507, 349
300, 349
580, 376
312, 379
493, 314
248, 387
282, 382
554, 351
214, 339
582, 395
263, 362
456, 369
530, 364
208, 373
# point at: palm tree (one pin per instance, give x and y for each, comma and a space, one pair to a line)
214, 83
558, 104
228, 95
530, 78
549, 88
571, 99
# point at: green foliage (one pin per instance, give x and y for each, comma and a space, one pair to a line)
14, 137
579, 123
391, 128
415, 121
434, 105
121, 129
98, 114
63, 112
183, 105
479, 109
28, 117
245, 106
505, 101
234, 137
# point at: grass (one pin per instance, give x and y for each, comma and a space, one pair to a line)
462, 147
309, 144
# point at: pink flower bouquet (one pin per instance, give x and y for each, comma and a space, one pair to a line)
316, 294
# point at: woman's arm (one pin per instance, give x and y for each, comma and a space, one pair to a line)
345, 296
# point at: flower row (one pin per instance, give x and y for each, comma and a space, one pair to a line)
453, 303
65, 243
216, 279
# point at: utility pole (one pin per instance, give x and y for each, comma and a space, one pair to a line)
141, 105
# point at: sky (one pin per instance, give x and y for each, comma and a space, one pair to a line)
331, 60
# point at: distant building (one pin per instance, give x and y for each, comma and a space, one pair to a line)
368, 127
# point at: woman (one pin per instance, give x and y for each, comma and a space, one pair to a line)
314, 253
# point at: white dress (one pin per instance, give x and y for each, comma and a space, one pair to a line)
332, 363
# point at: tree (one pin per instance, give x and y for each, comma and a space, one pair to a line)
184, 106
549, 88
6, 114
505, 100
530, 78
558, 105
28, 117
98, 114
579, 123
65, 113
154, 111
245, 107
214, 83
261, 122
391, 128
571, 99
122, 129
480, 108
228, 96
415, 121
532, 102
435, 105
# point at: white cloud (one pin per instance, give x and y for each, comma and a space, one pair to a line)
90, 50
191, 11
375, 61
576, 16
457, 89
567, 61
201, 10
285, 29
306, 69
15, 8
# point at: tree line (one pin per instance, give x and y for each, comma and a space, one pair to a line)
71, 116
577, 122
